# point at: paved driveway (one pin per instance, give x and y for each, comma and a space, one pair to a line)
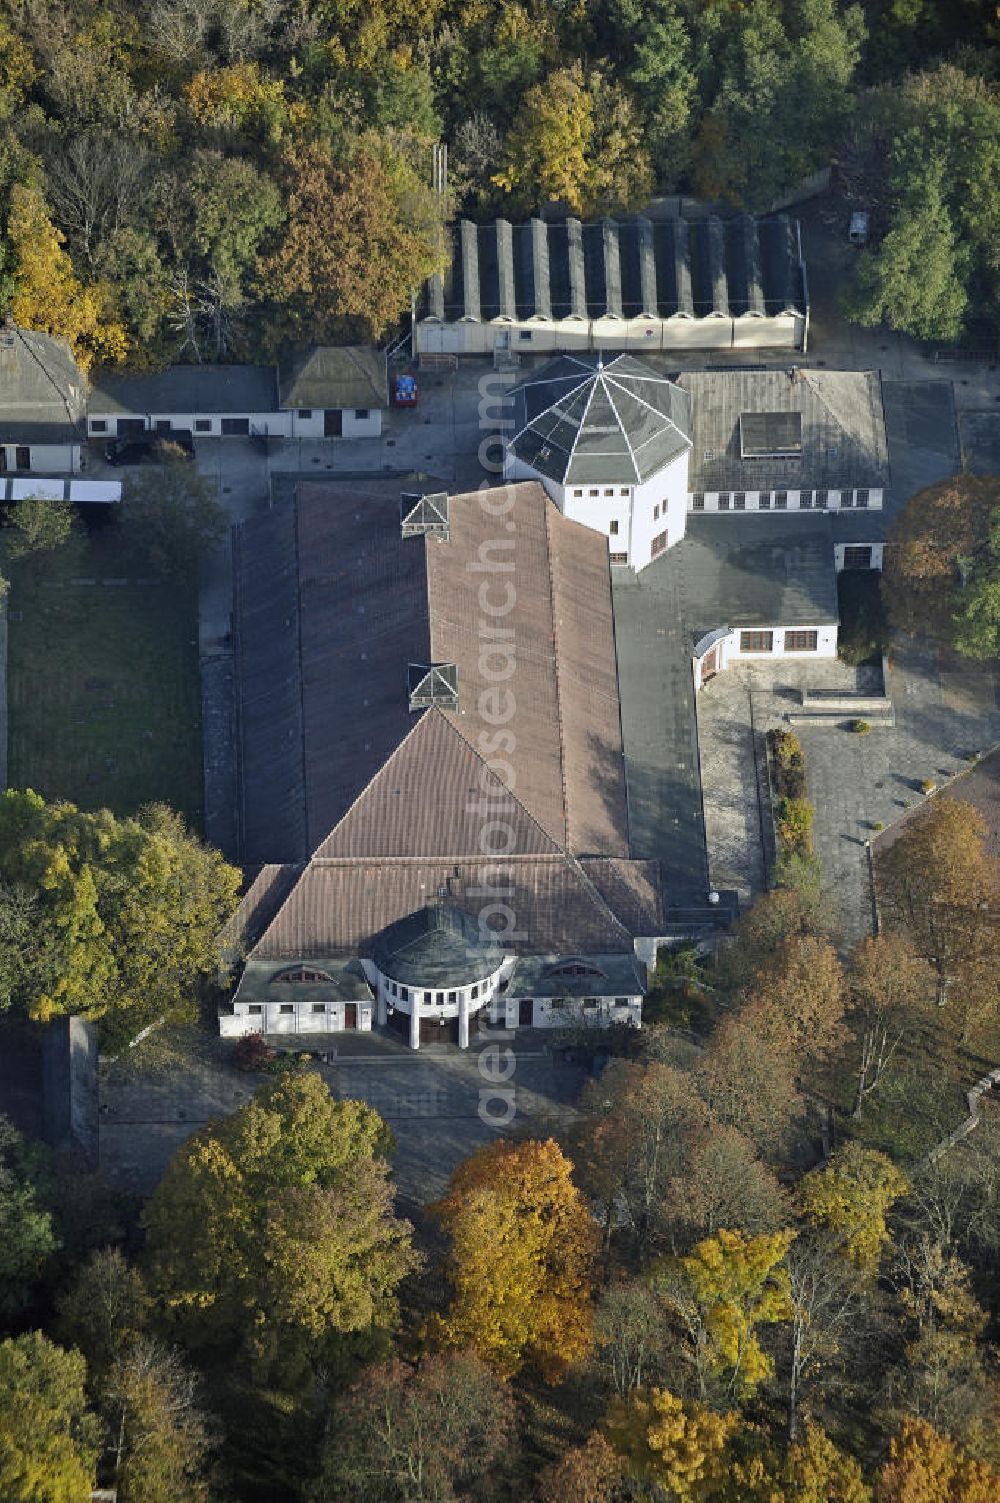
439, 1102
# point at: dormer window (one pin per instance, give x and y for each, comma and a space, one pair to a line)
302, 973
431, 684
576, 966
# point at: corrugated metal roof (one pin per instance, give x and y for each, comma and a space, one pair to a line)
625, 268
843, 429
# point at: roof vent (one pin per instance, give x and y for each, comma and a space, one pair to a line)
431, 684
8, 339
424, 514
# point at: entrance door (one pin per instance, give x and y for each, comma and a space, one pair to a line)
350, 1015
333, 423
525, 1012
433, 1032
709, 664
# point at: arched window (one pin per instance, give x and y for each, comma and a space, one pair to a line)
575, 966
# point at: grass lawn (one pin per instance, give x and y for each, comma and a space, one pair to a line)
103, 685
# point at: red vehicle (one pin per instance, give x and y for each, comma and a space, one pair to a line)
404, 391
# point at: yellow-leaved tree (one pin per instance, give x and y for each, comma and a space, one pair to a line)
849, 1198
520, 1265
47, 294
677, 1444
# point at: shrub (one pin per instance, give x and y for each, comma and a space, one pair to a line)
794, 821
928, 785
877, 825
787, 764
860, 727
252, 1052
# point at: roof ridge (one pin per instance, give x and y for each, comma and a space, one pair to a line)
36, 356
601, 901
668, 422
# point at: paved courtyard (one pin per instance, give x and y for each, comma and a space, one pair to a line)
945, 709
439, 1102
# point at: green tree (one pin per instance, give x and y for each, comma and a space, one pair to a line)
172, 517
27, 1234
441, 1431
49, 1440
38, 526
944, 551
273, 1229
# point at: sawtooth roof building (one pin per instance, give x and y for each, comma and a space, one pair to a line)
431, 769
631, 284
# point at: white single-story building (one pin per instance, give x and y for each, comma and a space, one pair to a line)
325, 392
42, 402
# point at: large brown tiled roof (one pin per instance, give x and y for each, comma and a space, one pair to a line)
333, 605
337, 907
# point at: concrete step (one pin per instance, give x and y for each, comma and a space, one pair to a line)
840, 718
859, 705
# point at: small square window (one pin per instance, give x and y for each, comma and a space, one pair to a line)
609, 490
739, 501
781, 500
724, 501
255, 1008
98, 425
593, 491
658, 544
709, 453
861, 499
319, 1007
578, 491
361, 413
613, 529
619, 558
623, 491
765, 501
203, 425
287, 1007
305, 412
524, 334
698, 501
621, 1001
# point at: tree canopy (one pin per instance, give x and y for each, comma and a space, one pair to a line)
49, 1439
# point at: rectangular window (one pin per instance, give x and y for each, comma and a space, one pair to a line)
22, 457
621, 1001
129, 427
697, 501
255, 1008
392, 988
162, 425
756, 641
740, 501
623, 491
805, 500
305, 412
404, 994
98, 425
593, 491
801, 641
524, 334
847, 500
609, 490
440, 999
656, 512
319, 1007
235, 427
819, 500
287, 1007
613, 529
619, 558
765, 501
428, 998
590, 1003
475, 991
361, 413
578, 491
724, 501
781, 500
861, 499
658, 544
857, 557
453, 997
203, 425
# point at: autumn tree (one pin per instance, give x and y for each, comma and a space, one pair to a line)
273, 1229
942, 562
940, 887
631, 1333
49, 1439
104, 1310
890, 988
442, 1430
782, 914
925, 1466
825, 1303
817, 1471
748, 1075
802, 984
47, 295
522, 1247
163, 1442
719, 1295
849, 1198
677, 1444
588, 1473
361, 236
